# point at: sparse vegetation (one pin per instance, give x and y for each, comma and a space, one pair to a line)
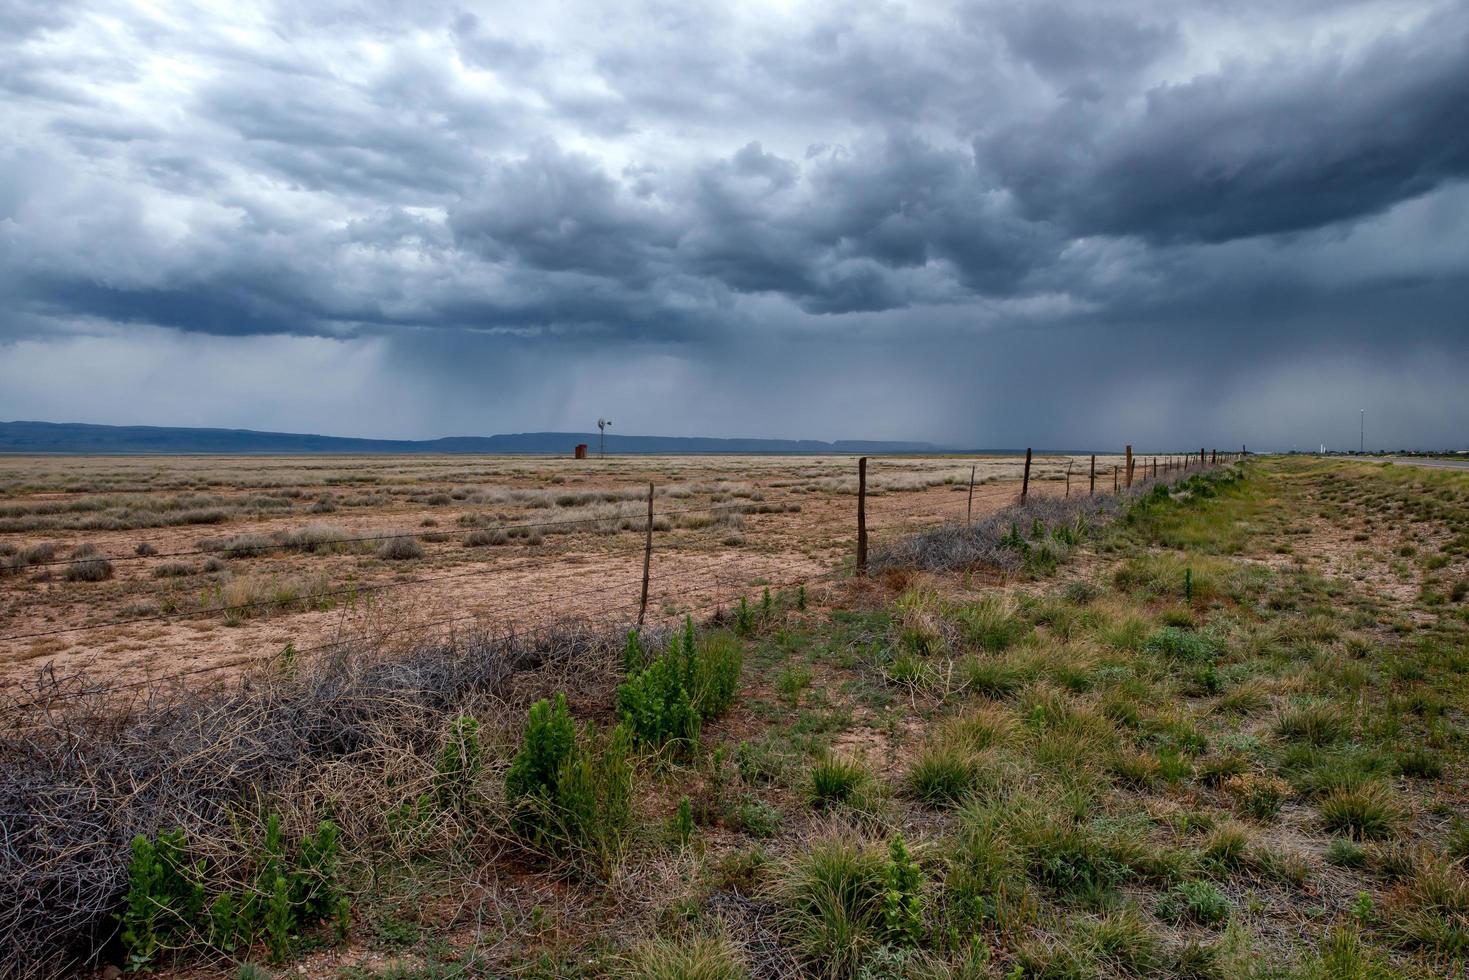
1189, 755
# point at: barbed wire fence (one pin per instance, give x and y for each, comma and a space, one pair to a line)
681, 588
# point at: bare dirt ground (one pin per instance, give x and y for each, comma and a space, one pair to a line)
216, 589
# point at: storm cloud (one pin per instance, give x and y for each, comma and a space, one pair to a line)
989, 223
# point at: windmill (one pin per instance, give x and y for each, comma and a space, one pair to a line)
602, 426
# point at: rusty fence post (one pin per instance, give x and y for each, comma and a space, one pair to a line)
1093, 490
647, 559
1025, 483
862, 516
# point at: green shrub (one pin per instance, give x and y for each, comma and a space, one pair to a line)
687, 684
681, 824
570, 791
164, 898
902, 899
756, 817
791, 681
164, 905
89, 570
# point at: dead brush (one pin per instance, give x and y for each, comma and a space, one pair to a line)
1034, 534
358, 728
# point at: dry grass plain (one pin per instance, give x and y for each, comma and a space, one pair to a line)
213, 562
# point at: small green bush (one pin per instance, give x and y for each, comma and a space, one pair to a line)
681, 824
164, 899
756, 817
902, 899
164, 906
670, 698
570, 791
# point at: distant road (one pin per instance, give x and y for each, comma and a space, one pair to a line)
1437, 464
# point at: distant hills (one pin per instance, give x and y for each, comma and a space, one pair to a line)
81, 437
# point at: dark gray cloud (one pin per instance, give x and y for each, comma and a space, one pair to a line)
1295, 143
982, 221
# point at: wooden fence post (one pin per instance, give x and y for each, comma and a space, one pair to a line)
1201, 455
1093, 490
1213, 457
1114, 481
647, 559
1129, 464
1068, 478
862, 516
969, 514
1025, 483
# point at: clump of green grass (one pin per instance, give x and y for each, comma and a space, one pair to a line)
831, 902
990, 625
943, 775
836, 780
1429, 911
1367, 812
1345, 853
1257, 796
698, 958
1314, 723
1194, 901
1182, 646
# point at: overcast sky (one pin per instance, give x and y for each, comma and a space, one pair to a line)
1068, 223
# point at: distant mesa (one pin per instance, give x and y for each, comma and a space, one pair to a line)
81, 437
